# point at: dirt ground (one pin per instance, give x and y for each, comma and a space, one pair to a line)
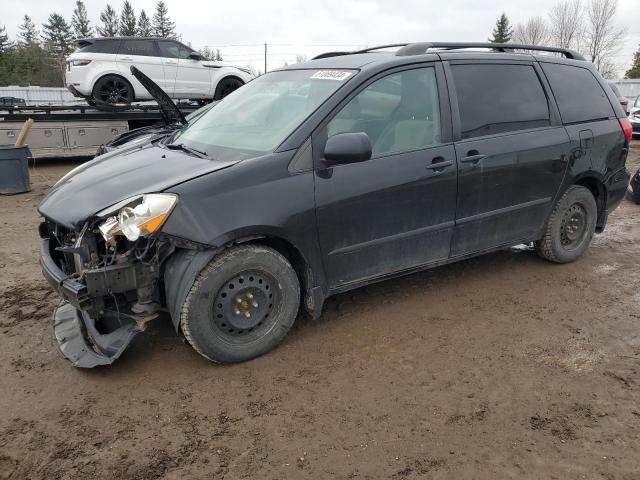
504, 366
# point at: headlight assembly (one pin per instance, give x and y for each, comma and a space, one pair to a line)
137, 217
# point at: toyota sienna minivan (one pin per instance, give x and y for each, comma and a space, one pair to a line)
325, 176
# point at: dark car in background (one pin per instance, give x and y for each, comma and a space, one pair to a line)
326, 176
624, 101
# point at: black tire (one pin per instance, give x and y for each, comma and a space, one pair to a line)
241, 305
570, 227
113, 89
226, 86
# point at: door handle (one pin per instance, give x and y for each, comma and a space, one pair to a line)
126, 59
473, 156
438, 164
170, 63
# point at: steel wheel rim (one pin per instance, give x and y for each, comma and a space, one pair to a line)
573, 227
114, 91
244, 307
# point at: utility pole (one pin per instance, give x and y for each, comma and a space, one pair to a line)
265, 57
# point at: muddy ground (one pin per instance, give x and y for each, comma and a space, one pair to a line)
504, 366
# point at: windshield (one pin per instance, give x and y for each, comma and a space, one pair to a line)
637, 104
258, 117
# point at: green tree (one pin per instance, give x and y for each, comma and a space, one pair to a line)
80, 21
634, 71
28, 32
127, 20
163, 26
58, 42
144, 25
109, 19
5, 44
218, 55
502, 32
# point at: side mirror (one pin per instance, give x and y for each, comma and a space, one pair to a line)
347, 148
196, 56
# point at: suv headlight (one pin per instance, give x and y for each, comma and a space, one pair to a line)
137, 217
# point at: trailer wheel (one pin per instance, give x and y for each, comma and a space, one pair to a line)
113, 89
226, 86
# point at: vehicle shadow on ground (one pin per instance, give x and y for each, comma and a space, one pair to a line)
160, 339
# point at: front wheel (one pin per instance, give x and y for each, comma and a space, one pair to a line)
241, 305
226, 86
570, 227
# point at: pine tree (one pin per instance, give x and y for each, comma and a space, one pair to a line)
109, 19
218, 55
5, 44
502, 32
58, 43
144, 25
80, 21
163, 26
127, 20
57, 35
28, 34
634, 71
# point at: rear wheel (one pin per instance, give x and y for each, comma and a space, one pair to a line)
570, 227
113, 89
241, 305
226, 86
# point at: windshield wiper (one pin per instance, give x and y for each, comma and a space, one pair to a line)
186, 148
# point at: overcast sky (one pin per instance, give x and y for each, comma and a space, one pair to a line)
304, 27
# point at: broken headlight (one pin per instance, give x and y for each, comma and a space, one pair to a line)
137, 217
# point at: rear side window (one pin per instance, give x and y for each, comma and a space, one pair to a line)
101, 46
578, 94
143, 48
499, 98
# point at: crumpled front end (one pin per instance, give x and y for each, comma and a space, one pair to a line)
109, 290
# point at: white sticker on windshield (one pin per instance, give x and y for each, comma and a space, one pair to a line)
339, 75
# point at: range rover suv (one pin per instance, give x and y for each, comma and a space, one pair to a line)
325, 176
99, 71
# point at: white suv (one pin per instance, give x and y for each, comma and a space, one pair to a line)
100, 70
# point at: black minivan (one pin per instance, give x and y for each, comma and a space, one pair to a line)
325, 176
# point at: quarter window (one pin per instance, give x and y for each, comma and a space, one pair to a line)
399, 112
143, 48
499, 98
579, 95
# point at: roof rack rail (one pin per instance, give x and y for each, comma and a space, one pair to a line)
365, 50
420, 48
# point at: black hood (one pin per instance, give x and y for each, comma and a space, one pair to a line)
116, 176
170, 112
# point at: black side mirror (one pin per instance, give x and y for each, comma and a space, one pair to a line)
347, 148
195, 56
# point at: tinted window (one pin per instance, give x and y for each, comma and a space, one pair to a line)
579, 95
499, 98
143, 48
101, 46
399, 112
170, 49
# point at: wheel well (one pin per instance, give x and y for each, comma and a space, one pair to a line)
293, 255
225, 78
598, 191
113, 75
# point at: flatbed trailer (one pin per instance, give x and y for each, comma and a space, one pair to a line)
74, 131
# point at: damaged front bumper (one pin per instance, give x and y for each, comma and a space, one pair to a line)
99, 313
